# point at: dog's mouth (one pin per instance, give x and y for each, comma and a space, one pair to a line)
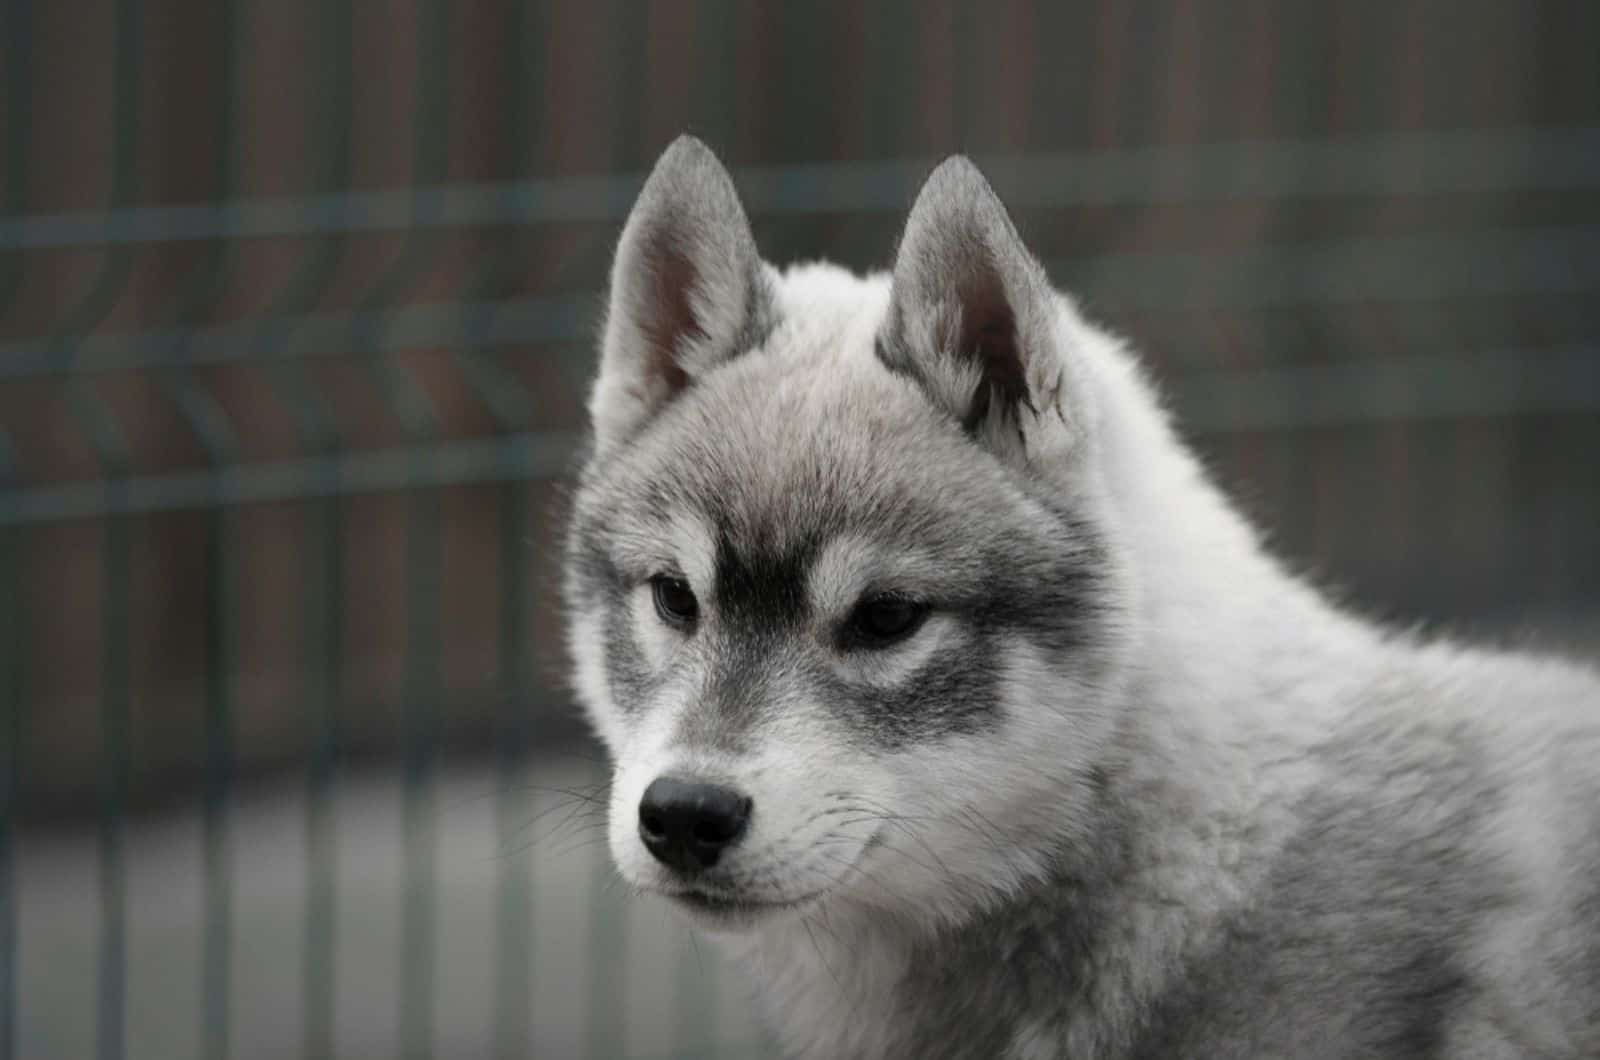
734, 911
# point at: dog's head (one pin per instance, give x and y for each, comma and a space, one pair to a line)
843, 600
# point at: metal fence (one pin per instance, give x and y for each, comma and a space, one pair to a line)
296, 302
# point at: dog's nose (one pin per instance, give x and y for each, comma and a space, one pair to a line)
688, 825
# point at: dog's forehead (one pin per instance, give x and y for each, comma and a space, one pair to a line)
774, 455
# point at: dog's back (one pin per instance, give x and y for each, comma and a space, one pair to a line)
1438, 890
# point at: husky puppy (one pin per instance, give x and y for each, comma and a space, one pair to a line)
942, 685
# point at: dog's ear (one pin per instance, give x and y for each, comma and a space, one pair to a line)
688, 291
973, 319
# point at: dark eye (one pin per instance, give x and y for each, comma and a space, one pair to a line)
879, 621
675, 601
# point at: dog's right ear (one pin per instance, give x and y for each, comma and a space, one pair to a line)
687, 292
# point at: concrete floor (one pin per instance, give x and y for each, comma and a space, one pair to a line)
609, 975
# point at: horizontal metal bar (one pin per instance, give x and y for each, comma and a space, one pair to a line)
512, 321
1493, 383
1479, 383
1543, 260
1415, 164
508, 457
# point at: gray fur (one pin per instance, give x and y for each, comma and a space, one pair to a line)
1130, 790
972, 317
687, 290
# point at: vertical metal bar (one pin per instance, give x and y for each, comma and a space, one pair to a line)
13, 651
322, 647
16, 36
514, 911
418, 942
210, 426
114, 752
507, 400
113, 275
16, 39
221, 611
111, 453
715, 88
966, 74
205, 285
324, 641
885, 90
1301, 103
330, 110
411, 406
607, 998
201, 291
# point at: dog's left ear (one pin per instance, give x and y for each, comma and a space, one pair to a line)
973, 319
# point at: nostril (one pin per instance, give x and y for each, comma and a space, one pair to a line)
652, 824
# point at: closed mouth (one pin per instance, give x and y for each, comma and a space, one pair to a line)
724, 908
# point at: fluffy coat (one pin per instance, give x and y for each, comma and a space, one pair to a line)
1128, 788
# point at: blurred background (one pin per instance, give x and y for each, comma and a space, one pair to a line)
297, 301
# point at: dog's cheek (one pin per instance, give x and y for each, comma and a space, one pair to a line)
587, 648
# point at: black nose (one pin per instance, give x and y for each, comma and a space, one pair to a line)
687, 825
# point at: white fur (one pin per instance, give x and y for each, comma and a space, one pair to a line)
1228, 673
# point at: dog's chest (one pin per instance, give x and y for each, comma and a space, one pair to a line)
838, 994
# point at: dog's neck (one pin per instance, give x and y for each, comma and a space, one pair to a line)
1098, 938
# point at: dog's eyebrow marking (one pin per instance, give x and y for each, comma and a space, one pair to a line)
694, 546
679, 541
850, 565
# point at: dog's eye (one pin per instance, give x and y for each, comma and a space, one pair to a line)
675, 601
879, 621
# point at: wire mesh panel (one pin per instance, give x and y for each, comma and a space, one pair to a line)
297, 303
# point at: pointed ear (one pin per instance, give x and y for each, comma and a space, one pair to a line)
687, 291
973, 319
